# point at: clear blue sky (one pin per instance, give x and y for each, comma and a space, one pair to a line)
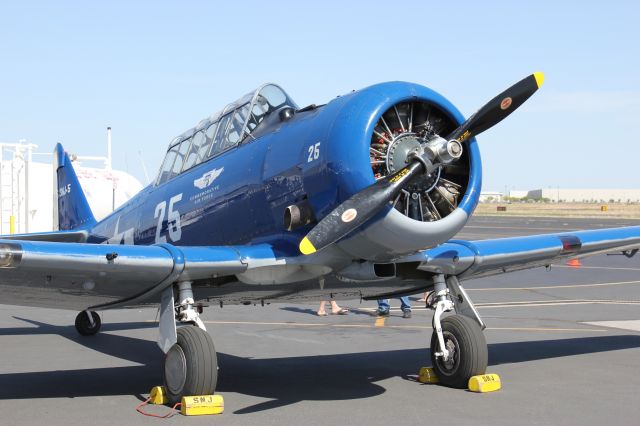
153, 69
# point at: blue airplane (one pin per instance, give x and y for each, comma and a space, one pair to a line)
265, 201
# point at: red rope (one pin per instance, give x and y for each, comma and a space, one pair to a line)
169, 414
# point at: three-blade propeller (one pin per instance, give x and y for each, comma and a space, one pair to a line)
365, 204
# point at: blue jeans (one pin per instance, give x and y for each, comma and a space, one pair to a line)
383, 304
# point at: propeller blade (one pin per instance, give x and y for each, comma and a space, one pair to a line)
365, 204
498, 108
357, 209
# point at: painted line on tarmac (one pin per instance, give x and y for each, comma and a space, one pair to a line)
372, 310
519, 227
419, 327
310, 325
535, 303
595, 267
546, 287
632, 325
477, 236
522, 303
526, 304
598, 330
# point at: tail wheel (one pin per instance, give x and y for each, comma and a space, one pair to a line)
402, 128
468, 355
191, 365
84, 325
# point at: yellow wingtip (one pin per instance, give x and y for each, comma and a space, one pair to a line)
306, 247
539, 76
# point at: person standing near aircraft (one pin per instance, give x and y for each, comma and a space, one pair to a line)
384, 306
335, 309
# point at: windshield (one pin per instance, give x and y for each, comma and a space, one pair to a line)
223, 130
267, 99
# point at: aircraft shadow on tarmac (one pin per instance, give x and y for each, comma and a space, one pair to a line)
352, 311
283, 381
68, 331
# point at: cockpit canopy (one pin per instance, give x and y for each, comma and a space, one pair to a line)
223, 130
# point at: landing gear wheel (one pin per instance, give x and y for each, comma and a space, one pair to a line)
467, 348
83, 325
191, 365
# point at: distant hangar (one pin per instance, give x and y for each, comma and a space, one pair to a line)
570, 195
586, 195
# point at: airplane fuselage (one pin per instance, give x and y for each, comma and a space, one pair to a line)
320, 155
238, 197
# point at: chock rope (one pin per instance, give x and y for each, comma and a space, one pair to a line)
169, 414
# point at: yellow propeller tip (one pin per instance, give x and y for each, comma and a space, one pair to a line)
306, 247
539, 76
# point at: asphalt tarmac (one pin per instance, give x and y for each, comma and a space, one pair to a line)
565, 342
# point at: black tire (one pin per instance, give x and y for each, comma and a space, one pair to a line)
191, 365
470, 355
83, 325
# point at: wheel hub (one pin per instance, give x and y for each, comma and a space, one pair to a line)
451, 363
175, 369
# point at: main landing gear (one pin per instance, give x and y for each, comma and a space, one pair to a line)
88, 323
458, 347
190, 362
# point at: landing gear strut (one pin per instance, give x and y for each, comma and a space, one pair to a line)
190, 362
88, 323
458, 347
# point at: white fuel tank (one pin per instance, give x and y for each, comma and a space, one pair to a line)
26, 193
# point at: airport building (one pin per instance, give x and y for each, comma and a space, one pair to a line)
564, 195
491, 197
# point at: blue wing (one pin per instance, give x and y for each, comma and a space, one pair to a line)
77, 275
473, 259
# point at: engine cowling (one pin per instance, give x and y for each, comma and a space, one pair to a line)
432, 208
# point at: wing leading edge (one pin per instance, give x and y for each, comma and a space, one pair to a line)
474, 259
